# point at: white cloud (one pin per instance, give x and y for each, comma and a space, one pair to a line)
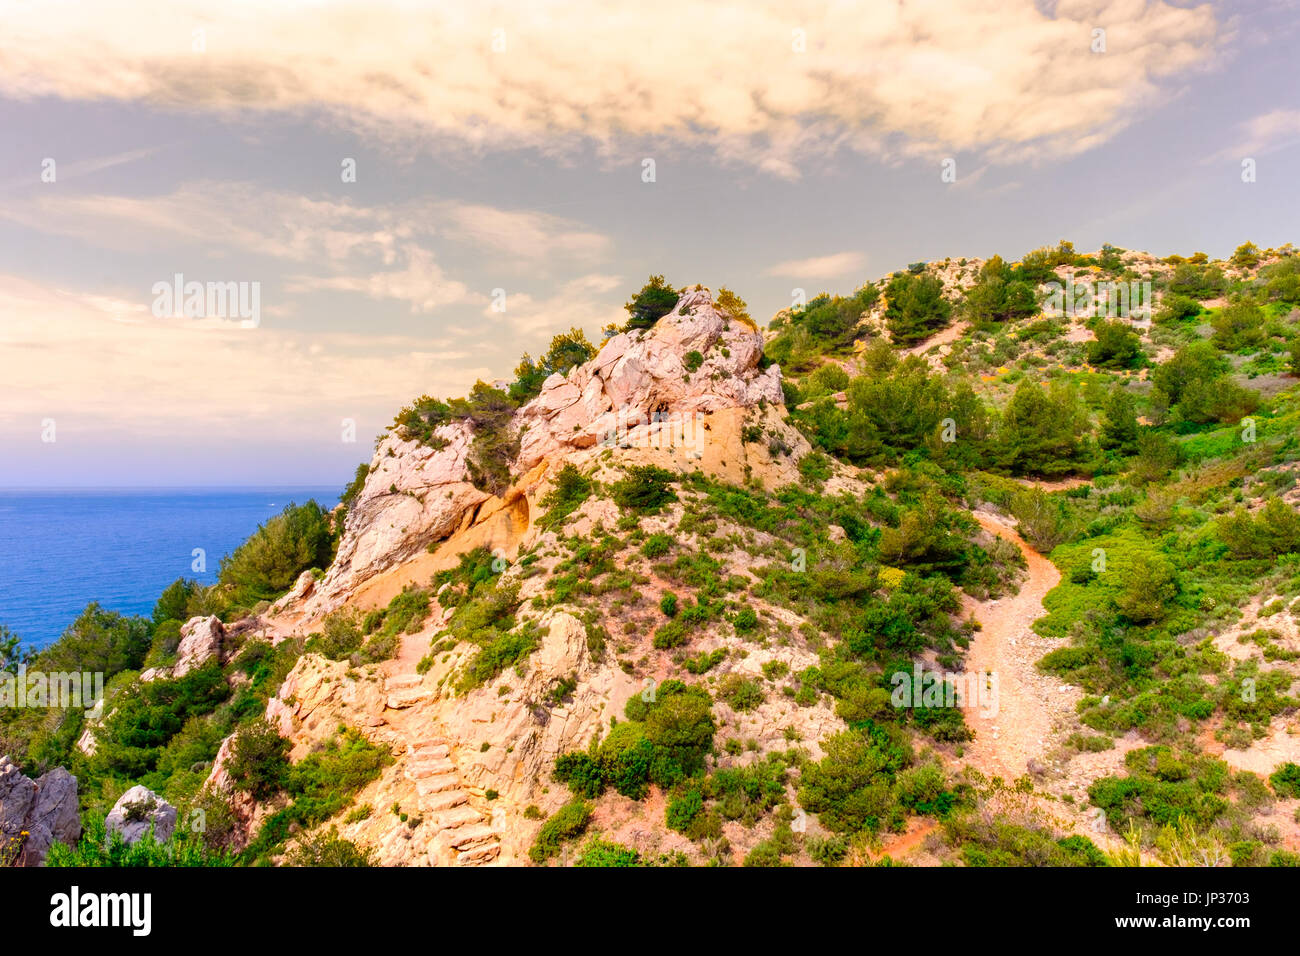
521, 233
1005, 78
382, 251
1265, 133
76, 362
581, 302
422, 284
820, 267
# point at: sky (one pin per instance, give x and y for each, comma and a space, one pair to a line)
414, 194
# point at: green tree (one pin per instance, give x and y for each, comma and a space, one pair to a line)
1119, 424
998, 296
567, 350
1042, 432
655, 300
1246, 256
915, 307
12, 653
99, 640
1115, 346
267, 564
175, 599
1239, 326
1150, 586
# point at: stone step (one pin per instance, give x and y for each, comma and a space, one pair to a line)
443, 800
440, 771
401, 699
431, 768
470, 838
426, 747
403, 680
437, 782
456, 818
478, 856
431, 752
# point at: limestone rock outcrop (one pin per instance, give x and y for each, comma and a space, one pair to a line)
202, 639
137, 812
35, 814
695, 361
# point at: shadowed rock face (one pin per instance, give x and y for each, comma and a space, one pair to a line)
415, 494
34, 814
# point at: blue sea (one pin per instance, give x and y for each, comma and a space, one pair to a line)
61, 549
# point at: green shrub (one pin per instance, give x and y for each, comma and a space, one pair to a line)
684, 808
596, 852
141, 724
570, 490
1176, 308
1115, 346
354, 486
645, 489
815, 467
97, 848
568, 823
340, 638
1286, 780
742, 693
852, 787
1239, 326
326, 848
259, 760
269, 562
827, 379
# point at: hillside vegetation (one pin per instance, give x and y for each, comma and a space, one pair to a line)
646, 645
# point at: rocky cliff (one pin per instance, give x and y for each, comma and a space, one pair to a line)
694, 363
471, 769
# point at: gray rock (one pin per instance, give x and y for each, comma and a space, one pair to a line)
36, 814
136, 811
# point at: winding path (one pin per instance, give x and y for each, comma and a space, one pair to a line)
1019, 727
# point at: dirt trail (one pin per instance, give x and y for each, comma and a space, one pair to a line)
942, 340
1018, 726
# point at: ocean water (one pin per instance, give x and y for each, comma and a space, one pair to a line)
61, 549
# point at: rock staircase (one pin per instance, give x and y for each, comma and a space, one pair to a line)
405, 690
463, 833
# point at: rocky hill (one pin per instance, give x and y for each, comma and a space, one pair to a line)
935, 570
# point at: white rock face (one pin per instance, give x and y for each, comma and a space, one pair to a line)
645, 373
136, 811
201, 639
415, 494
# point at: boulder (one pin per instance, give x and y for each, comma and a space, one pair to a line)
35, 814
201, 640
138, 810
